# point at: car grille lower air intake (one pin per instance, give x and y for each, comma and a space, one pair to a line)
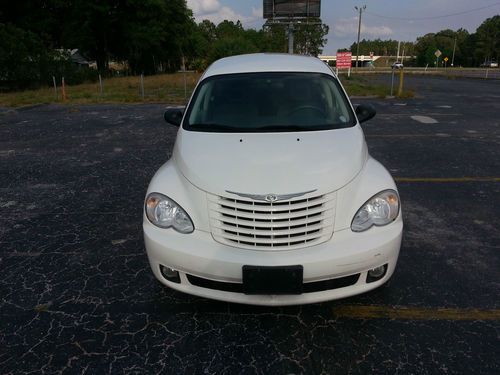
278, 224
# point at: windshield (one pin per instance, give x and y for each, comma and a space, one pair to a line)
277, 102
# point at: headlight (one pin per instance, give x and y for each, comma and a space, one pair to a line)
165, 213
381, 209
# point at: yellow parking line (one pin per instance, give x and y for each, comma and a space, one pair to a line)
479, 136
413, 313
447, 179
425, 114
406, 136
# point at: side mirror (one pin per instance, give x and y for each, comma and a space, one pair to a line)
365, 112
173, 115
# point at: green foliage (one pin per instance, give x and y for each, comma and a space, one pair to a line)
59, 65
26, 63
488, 40
154, 36
444, 41
229, 38
470, 49
149, 34
274, 38
22, 57
310, 38
383, 47
230, 47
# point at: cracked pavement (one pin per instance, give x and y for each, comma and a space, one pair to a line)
77, 294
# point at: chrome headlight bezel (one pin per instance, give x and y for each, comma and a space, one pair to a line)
368, 215
165, 213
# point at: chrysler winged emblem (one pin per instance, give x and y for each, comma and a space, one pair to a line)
271, 198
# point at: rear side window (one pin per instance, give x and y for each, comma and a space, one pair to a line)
259, 102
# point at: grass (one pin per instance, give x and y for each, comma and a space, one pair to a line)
360, 86
164, 88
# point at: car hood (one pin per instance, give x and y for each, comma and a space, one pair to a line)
265, 163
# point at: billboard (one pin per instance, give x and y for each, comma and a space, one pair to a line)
344, 60
291, 8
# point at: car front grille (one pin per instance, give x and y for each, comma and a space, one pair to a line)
281, 225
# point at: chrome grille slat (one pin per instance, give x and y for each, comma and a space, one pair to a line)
275, 232
274, 240
251, 215
282, 225
270, 225
275, 207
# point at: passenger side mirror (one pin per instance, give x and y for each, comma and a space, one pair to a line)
365, 112
173, 115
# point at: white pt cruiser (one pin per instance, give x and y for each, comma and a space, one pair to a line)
270, 196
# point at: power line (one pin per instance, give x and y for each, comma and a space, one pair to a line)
434, 17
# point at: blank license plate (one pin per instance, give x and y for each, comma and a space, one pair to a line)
272, 280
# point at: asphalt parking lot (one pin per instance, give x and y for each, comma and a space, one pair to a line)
77, 294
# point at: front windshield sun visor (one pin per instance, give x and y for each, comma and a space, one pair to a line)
269, 102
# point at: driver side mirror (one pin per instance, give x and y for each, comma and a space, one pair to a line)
173, 115
365, 112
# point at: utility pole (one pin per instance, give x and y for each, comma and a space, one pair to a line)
453, 56
359, 31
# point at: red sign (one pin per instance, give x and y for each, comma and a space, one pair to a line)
344, 60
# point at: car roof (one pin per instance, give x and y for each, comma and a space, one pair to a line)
267, 62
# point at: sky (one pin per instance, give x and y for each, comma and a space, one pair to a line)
403, 20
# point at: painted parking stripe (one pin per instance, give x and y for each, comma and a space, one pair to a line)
417, 135
413, 313
470, 134
424, 119
447, 179
406, 114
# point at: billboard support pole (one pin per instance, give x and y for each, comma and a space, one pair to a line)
290, 13
290, 38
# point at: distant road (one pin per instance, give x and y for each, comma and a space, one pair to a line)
484, 73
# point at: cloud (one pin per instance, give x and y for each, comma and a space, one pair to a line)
349, 26
257, 12
203, 6
214, 11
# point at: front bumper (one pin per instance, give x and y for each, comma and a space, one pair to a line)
345, 254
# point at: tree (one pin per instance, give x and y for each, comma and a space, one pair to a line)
154, 34
22, 56
310, 38
445, 41
488, 39
384, 47
231, 39
146, 33
274, 38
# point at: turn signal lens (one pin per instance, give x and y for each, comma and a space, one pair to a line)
166, 213
381, 209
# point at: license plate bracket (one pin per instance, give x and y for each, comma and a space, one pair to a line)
273, 279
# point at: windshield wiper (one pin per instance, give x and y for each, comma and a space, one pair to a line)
281, 128
213, 127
